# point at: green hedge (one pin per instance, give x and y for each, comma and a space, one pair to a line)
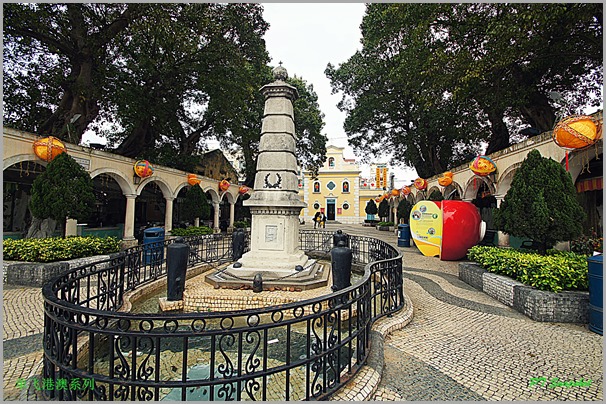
385, 224
191, 231
554, 272
57, 248
241, 224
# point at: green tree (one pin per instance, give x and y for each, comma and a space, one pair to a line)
196, 205
541, 204
384, 210
56, 60
404, 208
64, 190
371, 208
429, 75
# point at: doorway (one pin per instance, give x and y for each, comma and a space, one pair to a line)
331, 209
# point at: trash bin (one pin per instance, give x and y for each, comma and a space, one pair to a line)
153, 246
596, 290
403, 235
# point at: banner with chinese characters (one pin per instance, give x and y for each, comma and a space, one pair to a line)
426, 227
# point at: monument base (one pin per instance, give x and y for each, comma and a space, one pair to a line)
313, 276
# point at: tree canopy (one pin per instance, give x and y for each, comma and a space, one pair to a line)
434, 80
63, 190
157, 80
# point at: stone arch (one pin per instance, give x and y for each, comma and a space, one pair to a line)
214, 195
420, 195
19, 158
433, 188
164, 187
578, 159
228, 196
118, 176
506, 177
470, 190
451, 189
182, 185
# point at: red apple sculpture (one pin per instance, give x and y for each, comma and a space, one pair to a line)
462, 229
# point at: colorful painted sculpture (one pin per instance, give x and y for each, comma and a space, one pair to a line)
482, 166
420, 184
224, 185
395, 192
48, 148
143, 169
446, 228
405, 191
577, 132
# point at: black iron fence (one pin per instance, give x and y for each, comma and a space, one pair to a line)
300, 351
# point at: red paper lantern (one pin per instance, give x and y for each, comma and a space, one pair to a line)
243, 189
48, 148
224, 185
143, 168
445, 181
420, 184
395, 192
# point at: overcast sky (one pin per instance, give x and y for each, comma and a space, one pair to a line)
305, 37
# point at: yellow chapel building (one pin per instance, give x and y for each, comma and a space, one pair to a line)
339, 191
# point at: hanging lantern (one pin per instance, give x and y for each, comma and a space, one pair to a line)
448, 174
420, 184
378, 200
445, 181
48, 148
243, 189
143, 169
395, 192
224, 185
482, 166
405, 191
577, 132
192, 179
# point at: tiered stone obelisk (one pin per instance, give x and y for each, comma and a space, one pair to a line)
275, 204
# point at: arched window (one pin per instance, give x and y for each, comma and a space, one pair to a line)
317, 187
331, 162
345, 186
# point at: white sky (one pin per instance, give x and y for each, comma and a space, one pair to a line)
305, 37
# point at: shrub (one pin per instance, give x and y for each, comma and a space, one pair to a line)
241, 224
384, 209
58, 249
385, 224
541, 204
554, 272
192, 231
404, 208
371, 208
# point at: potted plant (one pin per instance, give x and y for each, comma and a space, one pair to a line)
385, 226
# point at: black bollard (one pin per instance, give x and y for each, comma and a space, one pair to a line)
237, 244
341, 266
177, 254
340, 236
258, 283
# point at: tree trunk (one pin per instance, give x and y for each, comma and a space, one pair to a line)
41, 228
499, 137
538, 113
141, 138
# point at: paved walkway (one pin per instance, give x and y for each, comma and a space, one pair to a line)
460, 345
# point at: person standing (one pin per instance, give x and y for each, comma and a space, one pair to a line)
323, 220
317, 218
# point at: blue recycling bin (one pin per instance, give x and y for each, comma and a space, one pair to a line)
595, 267
153, 245
403, 235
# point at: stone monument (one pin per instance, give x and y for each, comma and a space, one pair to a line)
275, 204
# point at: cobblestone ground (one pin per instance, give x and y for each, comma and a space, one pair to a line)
460, 345
22, 326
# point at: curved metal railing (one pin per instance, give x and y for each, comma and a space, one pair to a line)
299, 351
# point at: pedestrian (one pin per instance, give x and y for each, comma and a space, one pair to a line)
316, 219
323, 220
